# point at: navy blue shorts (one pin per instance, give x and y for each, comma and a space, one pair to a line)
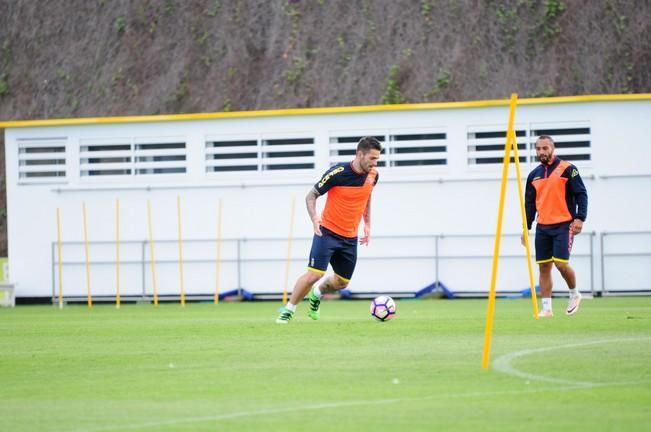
340, 252
553, 242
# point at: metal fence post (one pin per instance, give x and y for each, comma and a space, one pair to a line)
604, 291
239, 268
436, 261
142, 268
592, 234
53, 283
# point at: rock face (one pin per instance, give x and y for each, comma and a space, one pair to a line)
117, 57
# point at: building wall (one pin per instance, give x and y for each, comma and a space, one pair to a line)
449, 205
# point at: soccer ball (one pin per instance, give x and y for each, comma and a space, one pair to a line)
383, 308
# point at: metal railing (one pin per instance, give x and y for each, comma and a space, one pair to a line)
627, 251
436, 259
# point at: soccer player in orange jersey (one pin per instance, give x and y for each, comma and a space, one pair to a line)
349, 186
556, 192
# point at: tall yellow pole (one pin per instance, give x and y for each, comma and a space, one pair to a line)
152, 260
289, 249
218, 261
60, 264
498, 235
117, 254
525, 231
178, 209
90, 296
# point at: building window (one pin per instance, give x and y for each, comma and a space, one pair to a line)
343, 148
417, 149
399, 150
572, 143
287, 154
277, 154
160, 158
42, 159
105, 159
128, 159
225, 156
486, 146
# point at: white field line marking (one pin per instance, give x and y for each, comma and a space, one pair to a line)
346, 404
503, 363
236, 415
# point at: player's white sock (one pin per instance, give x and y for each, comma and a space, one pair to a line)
291, 307
547, 303
574, 292
317, 292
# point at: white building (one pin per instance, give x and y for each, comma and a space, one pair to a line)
434, 209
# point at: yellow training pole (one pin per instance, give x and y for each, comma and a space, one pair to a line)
178, 209
60, 265
218, 261
498, 235
90, 296
289, 249
152, 260
525, 231
117, 254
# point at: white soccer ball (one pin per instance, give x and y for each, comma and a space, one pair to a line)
383, 308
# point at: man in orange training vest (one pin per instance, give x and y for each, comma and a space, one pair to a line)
349, 186
556, 192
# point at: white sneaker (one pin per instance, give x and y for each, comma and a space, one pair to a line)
573, 304
545, 314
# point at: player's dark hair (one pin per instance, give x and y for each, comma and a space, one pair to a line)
547, 137
367, 143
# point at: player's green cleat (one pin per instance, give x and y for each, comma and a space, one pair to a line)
285, 316
314, 302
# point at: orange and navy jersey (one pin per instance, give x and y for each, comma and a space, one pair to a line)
348, 193
556, 192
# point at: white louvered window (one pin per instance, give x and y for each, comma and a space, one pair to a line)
233, 155
41, 160
287, 154
265, 154
572, 141
399, 150
417, 149
126, 158
485, 145
159, 158
105, 159
343, 148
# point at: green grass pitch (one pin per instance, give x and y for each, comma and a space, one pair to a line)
229, 367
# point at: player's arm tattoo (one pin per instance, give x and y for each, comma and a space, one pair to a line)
310, 202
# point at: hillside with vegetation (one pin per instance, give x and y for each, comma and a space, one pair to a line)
87, 58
